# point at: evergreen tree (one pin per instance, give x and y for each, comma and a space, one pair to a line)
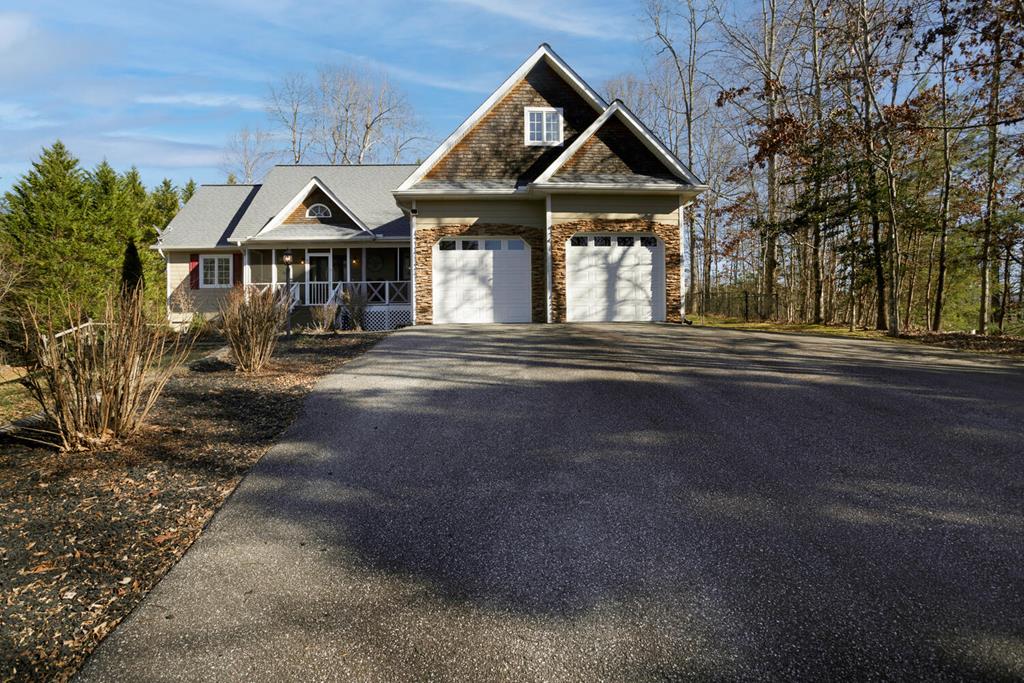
132, 276
166, 203
188, 191
46, 226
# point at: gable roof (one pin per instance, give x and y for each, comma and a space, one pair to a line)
208, 218
300, 196
364, 191
622, 113
543, 52
219, 216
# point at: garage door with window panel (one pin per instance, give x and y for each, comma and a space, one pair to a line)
481, 280
615, 278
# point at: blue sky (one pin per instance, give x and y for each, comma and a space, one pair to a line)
162, 85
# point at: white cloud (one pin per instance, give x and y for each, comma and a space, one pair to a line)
14, 29
203, 100
561, 17
14, 116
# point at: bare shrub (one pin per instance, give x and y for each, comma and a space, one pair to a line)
251, 323
323, 317
97, 382
183, 303
354, 301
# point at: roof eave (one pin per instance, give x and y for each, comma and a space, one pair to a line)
442, 193
618, 188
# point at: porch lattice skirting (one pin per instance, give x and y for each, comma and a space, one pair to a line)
380, 318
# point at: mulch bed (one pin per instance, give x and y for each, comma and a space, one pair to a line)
83, 537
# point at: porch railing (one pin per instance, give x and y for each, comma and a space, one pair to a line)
377, 293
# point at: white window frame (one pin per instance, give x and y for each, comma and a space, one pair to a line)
309, 211
543, 110
203, 258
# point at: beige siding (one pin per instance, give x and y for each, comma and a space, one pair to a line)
572, 207
434, 213
182, 297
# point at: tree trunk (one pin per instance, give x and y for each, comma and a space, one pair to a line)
985, 310
947, 174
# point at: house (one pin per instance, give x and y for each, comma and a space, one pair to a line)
548, 204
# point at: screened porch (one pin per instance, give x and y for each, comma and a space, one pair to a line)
320, 275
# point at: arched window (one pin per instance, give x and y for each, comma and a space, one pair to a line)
318, 211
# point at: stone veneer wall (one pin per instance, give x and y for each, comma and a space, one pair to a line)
667, 232
426, 238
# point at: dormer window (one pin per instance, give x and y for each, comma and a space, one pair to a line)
318, 211
542, 126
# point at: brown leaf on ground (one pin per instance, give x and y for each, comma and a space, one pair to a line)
115, 521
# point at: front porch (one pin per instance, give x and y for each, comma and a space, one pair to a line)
320, 276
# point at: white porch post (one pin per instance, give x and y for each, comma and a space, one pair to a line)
684, 264
547, 256
246, 274
412, 255
273, 269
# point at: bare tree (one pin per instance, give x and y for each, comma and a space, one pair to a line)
685, 59
248, 154
357, 115
290, 105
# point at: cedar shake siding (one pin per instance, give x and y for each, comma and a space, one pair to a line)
614, 152
668, 233
494, 148
317, 196
426, 238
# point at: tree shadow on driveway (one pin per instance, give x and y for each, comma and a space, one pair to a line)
618, 503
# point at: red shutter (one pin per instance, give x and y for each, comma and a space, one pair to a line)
236, 268
193, 271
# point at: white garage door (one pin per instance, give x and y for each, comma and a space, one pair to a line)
481, 280
615, 278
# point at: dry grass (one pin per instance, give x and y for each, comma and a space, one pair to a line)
251, 322
322, 318
961, 341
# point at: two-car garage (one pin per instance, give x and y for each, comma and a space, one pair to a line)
608, 277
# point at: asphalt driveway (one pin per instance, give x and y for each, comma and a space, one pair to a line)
619, 502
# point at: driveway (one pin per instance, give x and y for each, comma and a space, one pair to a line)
616, 502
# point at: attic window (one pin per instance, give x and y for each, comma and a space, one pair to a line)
318, 211
542, 126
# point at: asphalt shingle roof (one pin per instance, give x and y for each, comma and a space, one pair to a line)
219, 213
209, 217
365, 190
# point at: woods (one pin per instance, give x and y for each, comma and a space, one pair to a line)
864, 158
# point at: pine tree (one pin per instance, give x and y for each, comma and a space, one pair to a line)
46, 226
132, 276
166, 203
188, 191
